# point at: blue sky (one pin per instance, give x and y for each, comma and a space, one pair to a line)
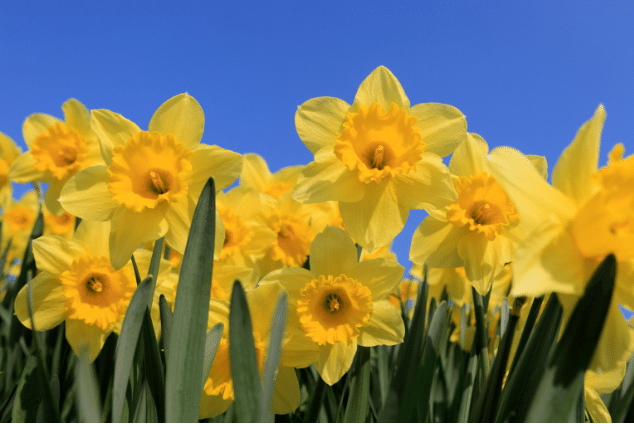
525, 75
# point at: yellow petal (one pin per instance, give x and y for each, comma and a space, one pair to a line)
48, 302
292, 279
381, 276
428, 186
23, 170
385, 326
181, 116
262, 303
94, 237
81, 336
179, 217
55, 254
255, 172
623, 289
211, 406
319, 121
51, 198
540, 164
77, 116
381, 86
332, 252
578, 163
376, 219
286, 396
327, 179
615, 347
213, 161
436, 241
595, 406
9, 151
483, 259
35, 125
112, 130
469, 157
86, 195
442, 127
335, 360
606, 382
299, 350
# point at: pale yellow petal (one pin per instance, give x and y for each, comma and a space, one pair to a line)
211, 406
181, 116
595, 406
179, 219
286, 396
48, 302
262, 304
335, 360
615, 347
381, 86
382, 276
112, 130
35, 125
51, 198
86, 195
483, 259
213, 161
82, 336
327, 178
385, 326
578, 163
375, 220
23, 170
469, 158
332, 252
299, 350
624, 289
428, 186
77, 116
9, 151
55, 254
319, 121
292, 279
540, 164
255, 172
606, 382
94, 236
442, 127
436, 242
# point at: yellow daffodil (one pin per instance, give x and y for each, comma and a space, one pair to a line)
597, 384
378, 157
478, 230
340, 303
218, 392
572, 226
151, 180
18, 219
58, 225
57, 150
9, 152
256, 174
78, 285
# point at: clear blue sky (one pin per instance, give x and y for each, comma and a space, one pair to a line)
525, 75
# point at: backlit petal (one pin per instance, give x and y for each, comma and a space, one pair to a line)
255, 172
48, 302
319, 121
381, 86
55, 254
385, 326
35, 125
182, 116
332, 252
292, 279
23, 169
442, 127
86, 195
81, 336
112, 130
469, 157
213, 161
77, 116
335, 360
381, 276
286, 396
483, 259
436, 241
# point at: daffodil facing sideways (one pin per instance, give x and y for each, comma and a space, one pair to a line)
9, 152
256, 174
340, 303
151, 180
378, 157
218, 392
57, 150
572, 226
477, 231
18, 218
77, 285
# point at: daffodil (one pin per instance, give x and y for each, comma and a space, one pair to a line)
151, 180
378, 157
18, 219
218, 392
58, 225
478, 231
9, 152
572, 226
340, 303
256, 174
57, 150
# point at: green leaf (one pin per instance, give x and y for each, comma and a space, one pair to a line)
562, 382
358, 400
211, 347
127, 345
528, 328
154, 367
186, 346
166, 323
242, 356
29, 393
273, 357
87, 395
155, 261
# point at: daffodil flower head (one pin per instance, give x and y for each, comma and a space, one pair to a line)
151, 180
256, 174
9, 152
59, 225
340, 303
379, 157
18, 218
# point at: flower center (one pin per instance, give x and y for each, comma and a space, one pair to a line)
60, 225
60, 150
378, 144
95, 292
332, 309
277, 189
150, 169
483, 204
4, 172
293, 241
19, 218
237, 234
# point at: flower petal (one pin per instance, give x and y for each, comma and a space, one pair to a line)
181, 116
51, 198
112, 130
595, 406
382, 276
286, 396
381, 86
299, 350
262, 302
86, 195
332, 252
483, 259
77, 116
55, 254
23, 169
82, 336
319, 121
94, 236
442, 127
213, 161
292, 279
211, 406
48, 302
616, 343
335, 360
428, 186
326, 179
255, 172
436, 242
35, 125
469, 158
385, 326
578, 163
376, 219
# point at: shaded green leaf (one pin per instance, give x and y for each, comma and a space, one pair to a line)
273, 357
211, 347
87, 396
358, 400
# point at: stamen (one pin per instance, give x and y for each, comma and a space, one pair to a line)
158, 185
94, 285
67, 156
482, 214
333, 303
377, 160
